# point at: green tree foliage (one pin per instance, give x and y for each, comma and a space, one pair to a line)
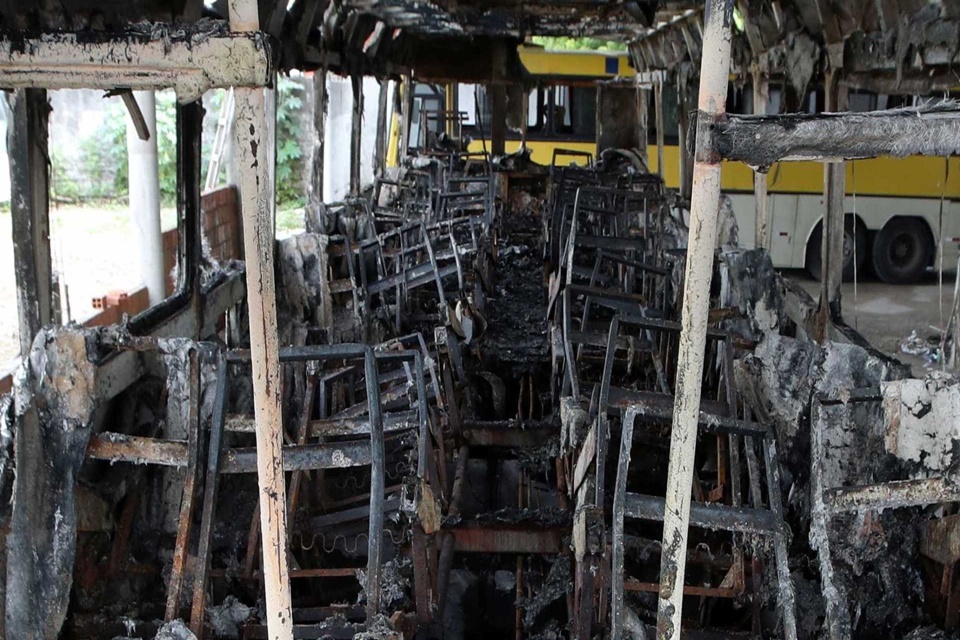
102, 171
578, 44
290, 188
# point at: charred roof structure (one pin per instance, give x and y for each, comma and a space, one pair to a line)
485, 398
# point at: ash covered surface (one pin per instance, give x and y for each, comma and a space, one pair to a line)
517, 312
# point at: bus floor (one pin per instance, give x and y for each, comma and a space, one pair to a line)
902, 321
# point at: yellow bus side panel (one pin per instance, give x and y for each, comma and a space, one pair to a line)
540, 62
541, 152
915, 177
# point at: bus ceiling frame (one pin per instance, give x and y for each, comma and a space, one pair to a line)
762, 140
190, 58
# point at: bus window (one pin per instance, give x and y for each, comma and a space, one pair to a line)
561, 110
535, 109
584, 116
466, 103
861, 101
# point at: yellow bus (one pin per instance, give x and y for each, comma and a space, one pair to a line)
896, 226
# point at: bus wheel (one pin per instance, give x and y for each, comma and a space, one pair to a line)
902, 251
854, 245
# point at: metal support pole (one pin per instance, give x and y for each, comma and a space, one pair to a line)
30, 207
704, 210
834, 188
319, 137
380, 150
144, 195
643, 102
683, 124
406, 116
498, 120
658, 106
761, 93
256, 204
356, 133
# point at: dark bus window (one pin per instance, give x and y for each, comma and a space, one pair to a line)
584, 113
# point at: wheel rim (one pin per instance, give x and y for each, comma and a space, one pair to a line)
847, 247
903, 250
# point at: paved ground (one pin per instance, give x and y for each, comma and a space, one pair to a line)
886, 315
93, 250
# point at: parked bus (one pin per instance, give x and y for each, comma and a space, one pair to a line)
900, 211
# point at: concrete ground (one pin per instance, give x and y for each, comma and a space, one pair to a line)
886, 315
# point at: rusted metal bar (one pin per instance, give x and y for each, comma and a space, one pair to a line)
707, 516
891, 495
119, 447
303, 434
618, 551
509, 539
308, 457
380, 145
761, 92
374, 546
837, 620
832, 225
658, 107
445, 563
185, 521
698, 272
256, 206
786, 599
208, 512
356, 126
688, 590
508, 433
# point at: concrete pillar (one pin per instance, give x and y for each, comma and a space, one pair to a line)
698, 272
144, 194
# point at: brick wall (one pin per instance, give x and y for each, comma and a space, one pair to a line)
221, 226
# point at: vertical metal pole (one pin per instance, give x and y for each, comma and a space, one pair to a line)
683, 124
406, 117
256, 203
498, 120
375, 532
760, 95
658, 105
643, 107
834, 188
30, 207
144, 197
356, 133
380, 149
319, 137
704, 209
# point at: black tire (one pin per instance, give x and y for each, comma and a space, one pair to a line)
851, 233
902, 251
